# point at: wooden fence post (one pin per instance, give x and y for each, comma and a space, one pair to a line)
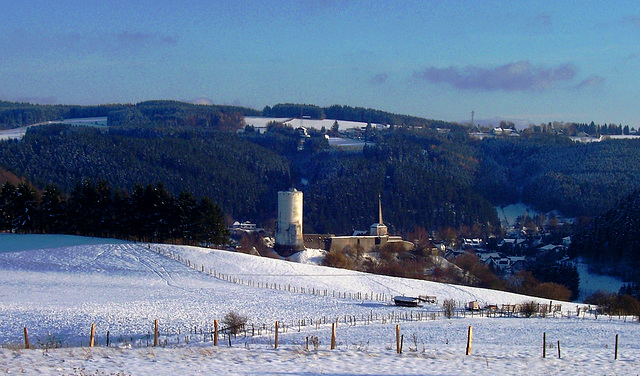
397, 339
26, 338
469, 339
215, 332
559, 350
333, 336
616, 351
107, 338
155, 333
92, 338
544, 344
276, 338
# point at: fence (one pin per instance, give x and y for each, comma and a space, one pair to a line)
166, 336
369, 296
278, 328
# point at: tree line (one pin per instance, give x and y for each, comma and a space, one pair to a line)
18, 114
349, 113
149, 213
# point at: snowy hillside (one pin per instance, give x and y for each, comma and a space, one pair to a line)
57, 293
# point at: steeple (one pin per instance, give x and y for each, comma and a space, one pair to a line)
378, 229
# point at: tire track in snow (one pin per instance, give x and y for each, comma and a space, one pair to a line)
137, 253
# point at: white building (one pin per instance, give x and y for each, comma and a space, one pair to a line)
288, 234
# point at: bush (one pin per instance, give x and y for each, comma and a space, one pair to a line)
626, 305
234, 322
449, 306
338, 259
529, 309
553, 291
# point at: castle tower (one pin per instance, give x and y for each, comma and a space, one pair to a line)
289, 225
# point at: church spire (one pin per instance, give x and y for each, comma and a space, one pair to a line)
379, 209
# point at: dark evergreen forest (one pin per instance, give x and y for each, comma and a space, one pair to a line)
612, 241
554, 173
149, 213
426, 177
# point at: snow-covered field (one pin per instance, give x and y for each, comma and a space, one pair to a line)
57, 293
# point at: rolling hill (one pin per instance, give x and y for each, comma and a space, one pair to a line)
57, 293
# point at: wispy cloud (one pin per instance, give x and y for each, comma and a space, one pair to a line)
518, 76
379, 79
591, 82
542, 19
632, 20
127, 38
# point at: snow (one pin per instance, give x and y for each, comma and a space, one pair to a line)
58, 290
12, 134
309, 256
590, 283
18, 133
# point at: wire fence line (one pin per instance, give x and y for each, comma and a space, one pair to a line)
236, 278
266, 332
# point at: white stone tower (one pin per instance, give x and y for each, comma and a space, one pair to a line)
289, 238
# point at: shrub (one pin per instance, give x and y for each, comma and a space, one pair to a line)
626, 305
449, 306
234, 322
604, 300
553, 291
338, 259
529, 309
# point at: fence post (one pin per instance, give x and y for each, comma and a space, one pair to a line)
26, 338
215, 332
469, 339
616, 351
276, 339
397, 339
107, 338
92, 338
559, 350
544, 344
333, 336
155, 333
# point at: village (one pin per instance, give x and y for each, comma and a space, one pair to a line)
522, 244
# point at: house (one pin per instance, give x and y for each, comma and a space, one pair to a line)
246, 226
518, 264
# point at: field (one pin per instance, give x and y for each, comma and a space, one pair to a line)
122, 288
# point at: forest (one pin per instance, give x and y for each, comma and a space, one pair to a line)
611, 243
426, 177
148, 214
554, 173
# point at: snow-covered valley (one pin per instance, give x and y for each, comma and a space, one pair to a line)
57, 293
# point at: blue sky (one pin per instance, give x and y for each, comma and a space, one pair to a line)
539, 61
